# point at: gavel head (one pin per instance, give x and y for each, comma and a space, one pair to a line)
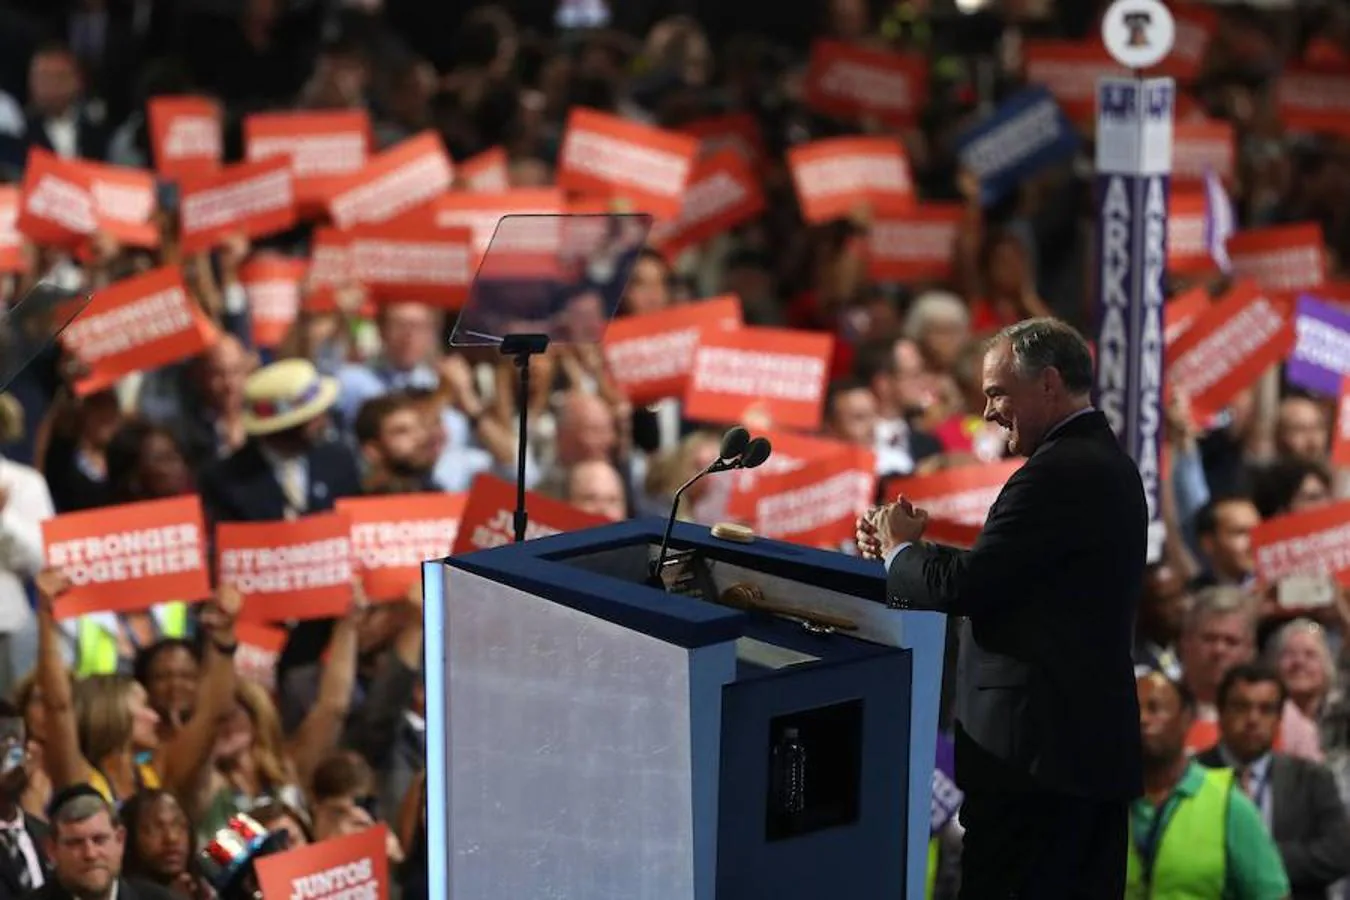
743, 596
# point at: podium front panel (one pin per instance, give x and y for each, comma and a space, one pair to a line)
570, 752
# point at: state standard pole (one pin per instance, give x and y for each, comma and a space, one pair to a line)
1134, 164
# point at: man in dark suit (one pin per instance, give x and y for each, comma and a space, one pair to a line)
86, 846
59, 119
286, 468
23, 863
1047, 717
1297, 798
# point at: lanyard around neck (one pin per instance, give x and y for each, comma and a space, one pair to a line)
1148, 848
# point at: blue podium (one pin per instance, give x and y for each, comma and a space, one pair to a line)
590, 737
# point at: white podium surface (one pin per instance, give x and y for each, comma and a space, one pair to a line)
567, 769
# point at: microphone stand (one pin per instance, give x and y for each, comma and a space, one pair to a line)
718, 465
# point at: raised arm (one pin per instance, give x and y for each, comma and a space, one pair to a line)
184, 760
319, 731
65, 762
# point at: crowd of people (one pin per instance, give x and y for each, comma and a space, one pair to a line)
144, 720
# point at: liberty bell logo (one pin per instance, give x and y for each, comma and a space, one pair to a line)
1138, 23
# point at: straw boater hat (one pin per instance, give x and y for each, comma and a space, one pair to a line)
286, 395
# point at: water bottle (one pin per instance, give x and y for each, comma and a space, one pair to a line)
789, 767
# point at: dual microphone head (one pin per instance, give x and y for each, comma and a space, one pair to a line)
740, 451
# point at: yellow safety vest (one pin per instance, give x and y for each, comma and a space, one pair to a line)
96, 648
931, 884
1191, 862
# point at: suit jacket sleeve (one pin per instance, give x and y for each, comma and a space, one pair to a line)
1322, 857
1023, 534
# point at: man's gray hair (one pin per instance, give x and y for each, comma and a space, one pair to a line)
1220, 600
80, 809
1044, 343
932, 307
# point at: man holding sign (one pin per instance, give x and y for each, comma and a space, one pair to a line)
1047, 721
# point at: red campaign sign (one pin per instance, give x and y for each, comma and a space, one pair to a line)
487, 519
816, 504
1181, 312
1307, 99
730, 131
184, 135
135, 324
1314, 541
650, 357
65, 200
57, 202
836, 176
724, 192
961, 495
1285, 258
129, 557
320, 145
487, 173
1228, 347
330, 271
12, 260
1200, 147
779, 371
1340, 441
351, 867
613, 157
847, 81
272, 284
124, 203
253, 199
300, 569
393, 535
1187, 249
408, 175
407, 261
919, 245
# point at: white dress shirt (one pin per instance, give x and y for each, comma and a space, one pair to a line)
64, 133
29, 503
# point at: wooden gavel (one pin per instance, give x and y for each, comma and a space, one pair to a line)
750, 597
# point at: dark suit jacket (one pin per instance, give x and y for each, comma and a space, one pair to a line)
9, 876
127, 889
1307, 820
91, 138
243, 488
1045, 683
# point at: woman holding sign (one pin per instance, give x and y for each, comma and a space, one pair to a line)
102, 731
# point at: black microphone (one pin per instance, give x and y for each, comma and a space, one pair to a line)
756, 452
735, 444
